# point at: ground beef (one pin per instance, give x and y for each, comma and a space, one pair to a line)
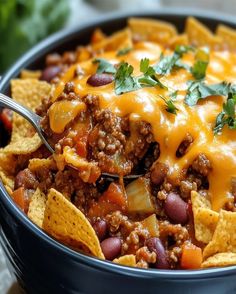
133, 233
174, 255
186, 187
202, 165
139, 141
188, 140
107, 141
25, 178
158, 172
178, 233
146, 255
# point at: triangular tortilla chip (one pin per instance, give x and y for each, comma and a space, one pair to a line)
65, 222
37, 207
224, 237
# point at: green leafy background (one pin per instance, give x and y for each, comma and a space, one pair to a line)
24, 22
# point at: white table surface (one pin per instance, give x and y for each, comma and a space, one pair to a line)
81, 11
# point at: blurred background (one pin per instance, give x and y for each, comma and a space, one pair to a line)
23, 23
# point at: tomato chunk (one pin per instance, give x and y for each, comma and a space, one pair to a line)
115, 195
111, 200
191, 256
6, 118
20, 199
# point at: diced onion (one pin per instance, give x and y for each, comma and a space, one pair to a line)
139, 197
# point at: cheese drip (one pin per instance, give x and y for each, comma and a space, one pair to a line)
170, 130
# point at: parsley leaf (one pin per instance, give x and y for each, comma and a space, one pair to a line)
123, 51
199, 90
227, 116
201, 62
149, 78
124, 81
170, 107
104, 66
167, 63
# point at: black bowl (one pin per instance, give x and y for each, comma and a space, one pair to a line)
41, 264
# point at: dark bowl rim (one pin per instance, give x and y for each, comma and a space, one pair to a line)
107, 266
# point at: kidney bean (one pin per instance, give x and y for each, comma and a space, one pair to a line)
111, 247
159, 171
100, 227
98, 80
49, 73
155, 245
25, 178
176, 209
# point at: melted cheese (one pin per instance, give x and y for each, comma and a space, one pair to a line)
168, 129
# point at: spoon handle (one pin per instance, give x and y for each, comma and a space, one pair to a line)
29, 115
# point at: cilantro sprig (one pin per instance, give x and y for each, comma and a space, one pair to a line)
104, 66
126, 82
199, 68
227, 115
200, 90
149, 77
170, 106
123, 51
169, 62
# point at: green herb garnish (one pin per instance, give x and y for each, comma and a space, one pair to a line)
199, 90
227, 116
149, 75
123, 51
104, 66
167, 63
201, 62
124, 81
170, 107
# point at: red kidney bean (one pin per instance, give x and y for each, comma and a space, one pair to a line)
111, 247
98, 80
49, 73
176, 209
100, 227
155, 245
159, 171
25, 178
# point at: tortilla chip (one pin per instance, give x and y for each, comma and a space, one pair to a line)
7, 180
38, 163
128, 260
7, 169
37, 207
220, 259
205, 219
228, 35
199, 35
65, 222
7, 162
152, 30
27, 145
205, 222
28, 92
199, 201
30, 74
117, 41
224, 237
178, 40
9, 190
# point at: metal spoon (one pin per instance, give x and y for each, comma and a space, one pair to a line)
35, 120
29, 115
